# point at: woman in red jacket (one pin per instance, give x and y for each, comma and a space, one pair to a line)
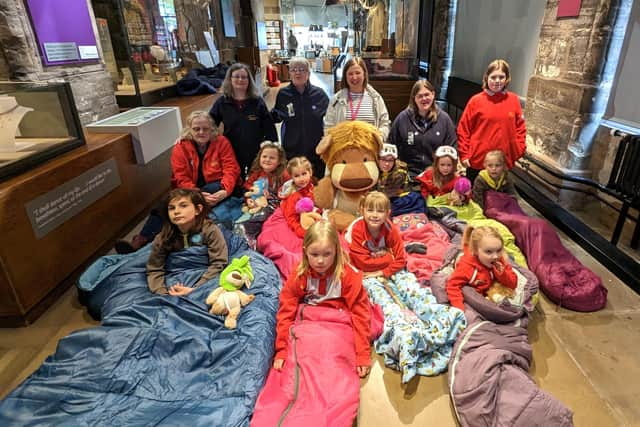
492, 120
201, 159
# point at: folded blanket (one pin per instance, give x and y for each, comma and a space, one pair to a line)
418, 232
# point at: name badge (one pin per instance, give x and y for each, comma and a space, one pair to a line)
290, 110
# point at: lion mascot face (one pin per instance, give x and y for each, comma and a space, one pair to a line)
350, 151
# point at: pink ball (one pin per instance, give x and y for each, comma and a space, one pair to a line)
463, 185
304, 205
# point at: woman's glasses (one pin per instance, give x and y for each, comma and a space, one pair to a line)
298, 70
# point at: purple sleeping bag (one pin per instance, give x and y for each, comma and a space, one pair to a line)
489, 382
563, 279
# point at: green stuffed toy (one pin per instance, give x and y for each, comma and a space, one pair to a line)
228, 299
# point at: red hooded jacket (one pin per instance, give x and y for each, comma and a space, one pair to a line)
220, 164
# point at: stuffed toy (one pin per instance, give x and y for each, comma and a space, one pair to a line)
461, 193
497, 293
350, 151
228, 299
308, 213
256, 198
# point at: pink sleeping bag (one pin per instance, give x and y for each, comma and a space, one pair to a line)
318, 385
563, 279
280, 244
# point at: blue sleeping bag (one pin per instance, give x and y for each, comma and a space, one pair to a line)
155, 360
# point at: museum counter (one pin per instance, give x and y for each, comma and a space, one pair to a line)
58, 217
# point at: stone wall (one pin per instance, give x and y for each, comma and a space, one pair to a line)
441, 45
560, 109
20, 60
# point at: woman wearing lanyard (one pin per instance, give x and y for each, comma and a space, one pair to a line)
357, 100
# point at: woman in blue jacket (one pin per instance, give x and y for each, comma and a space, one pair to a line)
301, 107
421, 128
247, 121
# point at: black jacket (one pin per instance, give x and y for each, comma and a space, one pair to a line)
302, 128
245, 128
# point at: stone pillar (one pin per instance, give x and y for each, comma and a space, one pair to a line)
562, 114
91, 84
444, 15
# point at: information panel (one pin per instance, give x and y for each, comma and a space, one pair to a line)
64, 31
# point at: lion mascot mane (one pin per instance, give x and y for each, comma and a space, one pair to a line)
350, 151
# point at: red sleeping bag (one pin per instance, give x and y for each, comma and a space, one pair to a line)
318, 385
563, 279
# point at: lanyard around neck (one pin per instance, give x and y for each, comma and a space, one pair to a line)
354, 114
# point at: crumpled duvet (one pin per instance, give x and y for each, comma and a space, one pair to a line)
417, 338
155, 360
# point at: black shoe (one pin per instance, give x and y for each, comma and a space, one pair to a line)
123, 247
416, 248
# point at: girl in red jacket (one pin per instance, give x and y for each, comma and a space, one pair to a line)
325, 278
268, 172
439, 179
492, 120
375, 245
270, 164
482, 263
299, 186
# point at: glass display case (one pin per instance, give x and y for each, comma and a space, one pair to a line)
141, 45
38, 121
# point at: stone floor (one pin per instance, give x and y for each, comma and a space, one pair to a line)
589, 361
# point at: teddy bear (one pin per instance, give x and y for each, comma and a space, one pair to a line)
350, 150
308, 213
497, 293
256, 199
228, 299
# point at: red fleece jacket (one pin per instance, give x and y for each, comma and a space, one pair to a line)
361, 244
428, 188
484, 278
220, 164
492, 122
354, 299
288, 206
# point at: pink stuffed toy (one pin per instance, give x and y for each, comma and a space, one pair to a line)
462, 191
308, 213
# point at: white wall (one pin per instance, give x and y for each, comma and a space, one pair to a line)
492, 29
319, 15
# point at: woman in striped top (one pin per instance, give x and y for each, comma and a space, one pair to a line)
357, 100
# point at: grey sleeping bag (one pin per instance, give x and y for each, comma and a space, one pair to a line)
489, 382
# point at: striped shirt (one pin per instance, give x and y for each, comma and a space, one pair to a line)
365, 111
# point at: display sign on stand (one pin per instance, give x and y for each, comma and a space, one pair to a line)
65, 33
153, 130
